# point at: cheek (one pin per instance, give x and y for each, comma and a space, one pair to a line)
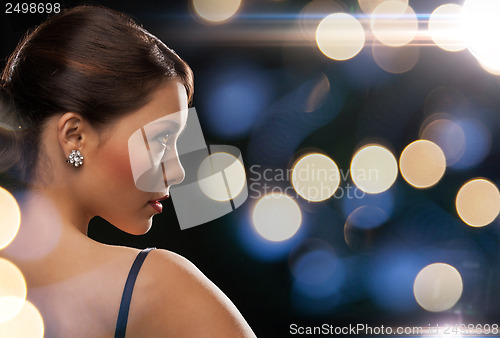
115, 164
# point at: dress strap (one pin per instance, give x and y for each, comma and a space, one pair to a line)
121, 324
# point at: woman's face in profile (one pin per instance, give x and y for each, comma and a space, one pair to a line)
115, 191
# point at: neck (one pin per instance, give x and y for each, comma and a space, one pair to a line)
59, 203
47, 225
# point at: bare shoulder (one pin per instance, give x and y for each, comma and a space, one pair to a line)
174, 298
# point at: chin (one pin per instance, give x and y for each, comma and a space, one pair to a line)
140, 227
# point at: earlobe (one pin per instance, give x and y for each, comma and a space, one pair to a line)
75, 158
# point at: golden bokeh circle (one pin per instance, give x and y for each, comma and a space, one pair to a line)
221, 176
478, 202
10, 218
276, 217
340, 36
13, 290
438, 287
394, 23
216, 11
422, 163
315, 177
28, 323
374, 169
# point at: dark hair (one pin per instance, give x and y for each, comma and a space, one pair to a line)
90, 60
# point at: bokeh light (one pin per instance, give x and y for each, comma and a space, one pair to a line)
422, 163
477, 143
259, 247
318, 95
216, 10
313, 12
314, 267
357, 227
396, 60
12, 290
367, 217
315, 177
438, 287
391, 278
368, 6
221, 176
28, 323
394, 23
318, 276
446, 28
384, 201
447, 134
374, 169
277, 217
46, 233
478, 202
340, 36
442, 101
481, 20
494, 71
235, 97
319, 299
10, 219
313, 264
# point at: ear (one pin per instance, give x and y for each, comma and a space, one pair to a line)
71, 132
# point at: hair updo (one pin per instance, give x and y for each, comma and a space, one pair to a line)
90, 60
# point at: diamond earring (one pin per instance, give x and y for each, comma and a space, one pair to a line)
75, 158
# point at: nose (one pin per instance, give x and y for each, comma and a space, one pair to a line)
173, 171
178, 173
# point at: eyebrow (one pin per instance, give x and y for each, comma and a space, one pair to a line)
156, 127
172, 124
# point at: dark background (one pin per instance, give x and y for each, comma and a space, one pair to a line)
363, 103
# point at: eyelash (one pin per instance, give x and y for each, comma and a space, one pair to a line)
164, 141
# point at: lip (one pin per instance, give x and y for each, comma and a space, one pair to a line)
163, 198
156, 205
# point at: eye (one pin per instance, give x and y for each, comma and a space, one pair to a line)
164, 140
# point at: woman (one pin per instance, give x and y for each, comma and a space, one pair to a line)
76, 88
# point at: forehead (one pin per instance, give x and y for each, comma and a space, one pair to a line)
168, 103
173, 123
